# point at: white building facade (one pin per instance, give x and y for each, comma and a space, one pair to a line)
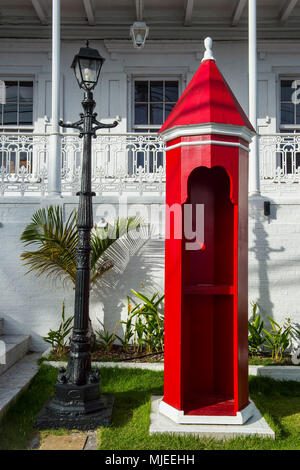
257, 48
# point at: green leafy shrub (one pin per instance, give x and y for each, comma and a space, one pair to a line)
59, 338
106, 339
129, 329
256, 335
149, 322
278, 339
144, 326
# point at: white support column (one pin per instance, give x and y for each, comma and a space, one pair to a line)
54, 166
254, 177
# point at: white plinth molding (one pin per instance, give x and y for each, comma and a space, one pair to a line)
179, 417
255, 426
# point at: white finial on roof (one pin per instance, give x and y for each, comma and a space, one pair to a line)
208, 54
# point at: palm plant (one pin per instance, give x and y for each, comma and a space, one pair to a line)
56, 243
56, 246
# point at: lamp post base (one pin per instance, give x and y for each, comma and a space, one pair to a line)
76, 407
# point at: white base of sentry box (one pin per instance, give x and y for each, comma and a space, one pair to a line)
255, 425
179, 417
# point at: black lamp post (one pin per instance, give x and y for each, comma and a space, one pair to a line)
77, 402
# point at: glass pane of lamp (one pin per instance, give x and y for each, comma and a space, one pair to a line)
78, 72
89, 71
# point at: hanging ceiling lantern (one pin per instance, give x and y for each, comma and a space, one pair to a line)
139, 32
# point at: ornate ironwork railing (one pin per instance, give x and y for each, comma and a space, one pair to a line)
121, 163
279, 162
23, 163
125, 163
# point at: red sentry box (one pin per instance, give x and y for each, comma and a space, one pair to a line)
206, 290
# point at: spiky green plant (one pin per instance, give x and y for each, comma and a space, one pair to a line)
278, 338
56, 242
256, 335
149, 324
59, 338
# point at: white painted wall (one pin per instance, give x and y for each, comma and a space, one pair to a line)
274, 257
33, 305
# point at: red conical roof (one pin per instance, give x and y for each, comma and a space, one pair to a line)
207, 99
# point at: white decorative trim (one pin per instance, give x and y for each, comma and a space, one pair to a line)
241, 132
25, 46
208, 142
178, 46
179, 417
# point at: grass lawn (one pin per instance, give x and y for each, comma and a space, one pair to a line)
268, 361
279, 402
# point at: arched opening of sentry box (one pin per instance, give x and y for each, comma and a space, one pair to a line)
208, 287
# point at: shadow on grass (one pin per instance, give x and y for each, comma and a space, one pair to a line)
132, 388
276, 400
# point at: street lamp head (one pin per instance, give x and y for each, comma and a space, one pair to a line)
87, 65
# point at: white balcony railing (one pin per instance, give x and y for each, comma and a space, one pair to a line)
23, 163
123, 163
279, 156
120, 163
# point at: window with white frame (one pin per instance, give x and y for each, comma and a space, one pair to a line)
287, 158
17, 113
16, 116
289, 103
153, 100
